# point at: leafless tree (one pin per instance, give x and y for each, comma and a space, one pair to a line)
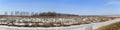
36, 13
6, 13
21, 13
11, 13
17, 12
26, 13
32, 13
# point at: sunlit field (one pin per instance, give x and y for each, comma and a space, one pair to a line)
113, 26
52, 19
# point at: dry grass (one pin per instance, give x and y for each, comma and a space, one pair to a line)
113, 26
90, 19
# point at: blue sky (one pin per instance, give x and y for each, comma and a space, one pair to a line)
80, 7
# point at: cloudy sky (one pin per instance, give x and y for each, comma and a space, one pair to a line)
81, 7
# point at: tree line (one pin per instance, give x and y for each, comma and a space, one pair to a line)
18, 13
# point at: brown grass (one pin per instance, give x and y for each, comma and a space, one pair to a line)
113, 26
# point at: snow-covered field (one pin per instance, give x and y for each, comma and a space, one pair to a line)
75, 27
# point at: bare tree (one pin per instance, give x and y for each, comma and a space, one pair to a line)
32, 13
11, 13
21, 13
36, 13
17, 13
27, 13
6, 13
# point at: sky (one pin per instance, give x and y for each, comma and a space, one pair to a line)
80, 7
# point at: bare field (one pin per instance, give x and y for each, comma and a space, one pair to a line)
51, 21
113, 26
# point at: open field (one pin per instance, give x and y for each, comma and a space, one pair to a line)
73, 27
51, 21
112, 26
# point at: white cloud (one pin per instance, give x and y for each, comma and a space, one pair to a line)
113, 2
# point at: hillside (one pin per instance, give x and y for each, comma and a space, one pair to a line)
113, 26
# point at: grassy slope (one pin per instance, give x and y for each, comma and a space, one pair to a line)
114, 26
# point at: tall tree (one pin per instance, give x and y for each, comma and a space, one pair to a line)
6, 13
27, 13
11, 13
32, 13
17, 12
